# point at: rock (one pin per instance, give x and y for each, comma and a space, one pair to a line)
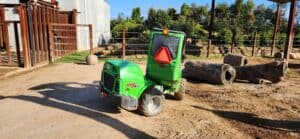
91, 59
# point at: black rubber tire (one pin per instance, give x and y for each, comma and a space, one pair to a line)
151, 102
181, 92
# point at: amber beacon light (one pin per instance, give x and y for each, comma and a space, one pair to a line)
165, 32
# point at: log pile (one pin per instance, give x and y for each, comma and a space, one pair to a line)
236, 69
278, 56
212, 73
273, 72
235, 60
295, 55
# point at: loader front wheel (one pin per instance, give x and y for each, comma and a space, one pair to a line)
151, 102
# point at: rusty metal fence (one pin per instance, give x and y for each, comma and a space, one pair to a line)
63, 39
42, 14
42, 33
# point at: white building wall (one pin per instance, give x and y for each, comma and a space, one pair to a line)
12, 15
9, 1
95, 12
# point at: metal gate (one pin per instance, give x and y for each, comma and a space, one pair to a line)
41, 32
40, 15
9, 56
63, 38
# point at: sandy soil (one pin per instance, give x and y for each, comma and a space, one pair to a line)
62, 101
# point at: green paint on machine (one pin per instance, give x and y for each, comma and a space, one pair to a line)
125, 83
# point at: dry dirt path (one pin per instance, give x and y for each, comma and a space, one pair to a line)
62, 101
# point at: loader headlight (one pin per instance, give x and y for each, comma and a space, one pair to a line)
108, 67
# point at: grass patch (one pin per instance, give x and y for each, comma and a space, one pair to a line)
77, 57
129, 58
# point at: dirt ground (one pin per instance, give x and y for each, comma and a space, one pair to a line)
62, 101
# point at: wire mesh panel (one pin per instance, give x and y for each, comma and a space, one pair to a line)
63, 38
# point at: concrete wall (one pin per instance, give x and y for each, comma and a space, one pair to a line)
95, 12
9, 1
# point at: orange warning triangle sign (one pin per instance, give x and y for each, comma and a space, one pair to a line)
163, 56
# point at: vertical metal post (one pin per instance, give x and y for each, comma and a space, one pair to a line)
211, 24
123, 42
275, 28
51, 42
1, 39
24, 31
91, 38
35, 31
74, 21
5, 34
254, 43
74, 16
17, 39
41, 34
30, 29
290, 30
44, 32
233, 41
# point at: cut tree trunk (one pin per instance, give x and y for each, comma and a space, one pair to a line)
294, 55
211, 73
273, 72
278, 55
235, 60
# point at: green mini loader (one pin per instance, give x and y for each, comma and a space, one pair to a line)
125, 83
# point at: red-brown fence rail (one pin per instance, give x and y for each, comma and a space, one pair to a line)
10, 51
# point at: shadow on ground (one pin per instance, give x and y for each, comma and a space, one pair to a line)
252, 119
81, 99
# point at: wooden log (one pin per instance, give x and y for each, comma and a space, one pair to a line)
104, 52
235, 60
278, 55
273, 72
211, 73
294, 55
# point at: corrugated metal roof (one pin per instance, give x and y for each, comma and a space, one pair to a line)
281, 1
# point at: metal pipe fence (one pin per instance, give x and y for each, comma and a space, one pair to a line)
262, 46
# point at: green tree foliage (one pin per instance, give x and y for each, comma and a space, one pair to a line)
136, 15
200, 14
172, 13
186, 10
151, 18
235, 22
162, 19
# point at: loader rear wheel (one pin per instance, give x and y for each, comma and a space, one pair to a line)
151, 102
181, 92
